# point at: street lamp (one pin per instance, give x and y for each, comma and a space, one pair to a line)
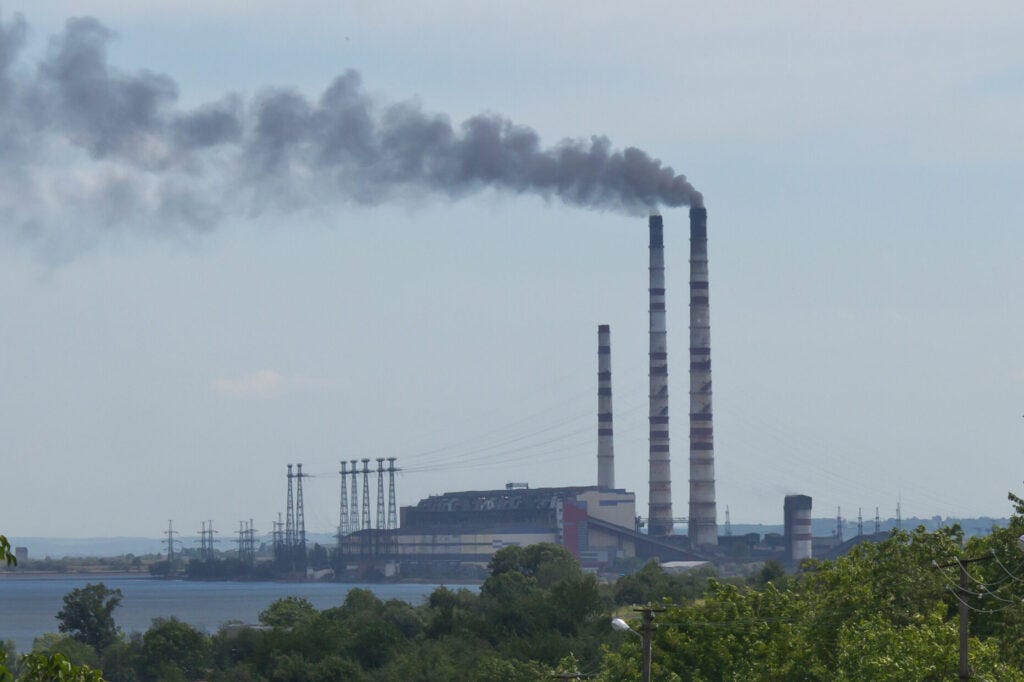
623, 626
645, 634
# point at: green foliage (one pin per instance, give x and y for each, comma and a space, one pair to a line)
772, 572
6, 556
174, 650
88, 614
5, 673
999, 580
452, 613
37, 667
75, 651
8, 656
883, 612
123, 660
651, 584
880, 613
287, 612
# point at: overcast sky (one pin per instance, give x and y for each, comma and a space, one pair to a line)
861, 165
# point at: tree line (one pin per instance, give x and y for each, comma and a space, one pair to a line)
883, 612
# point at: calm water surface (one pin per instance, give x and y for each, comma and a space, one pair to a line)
29, 605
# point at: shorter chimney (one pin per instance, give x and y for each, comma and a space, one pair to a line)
797, 529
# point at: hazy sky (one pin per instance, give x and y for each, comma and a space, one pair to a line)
862, 169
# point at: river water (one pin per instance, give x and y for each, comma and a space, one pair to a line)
29, 605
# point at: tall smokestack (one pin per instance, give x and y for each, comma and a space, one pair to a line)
703, 517
660, 480
605, 440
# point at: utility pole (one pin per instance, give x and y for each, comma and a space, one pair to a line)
300, 518
353, 508
241, 541
211, 539
392, 503
252, 540
365, 523
202, 541
964, 668
343, 511
381, 521
170, 533
206, 541
289, 528
278, 538
647, 628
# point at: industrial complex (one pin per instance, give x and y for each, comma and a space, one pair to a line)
456, 533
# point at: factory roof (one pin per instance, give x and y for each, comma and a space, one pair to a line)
504, 498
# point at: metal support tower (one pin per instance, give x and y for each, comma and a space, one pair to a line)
202, 541
250, 542
878, 522
392, 502
279, 553
860, 523
206, 541
170, 533
241, 541
210, 532
839, 525
381, 521
343, 510
289, 527
365, 522
353, 508
728, 523
300, 518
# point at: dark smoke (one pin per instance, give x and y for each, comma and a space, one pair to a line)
83, 145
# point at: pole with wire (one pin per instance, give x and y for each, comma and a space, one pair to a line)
963, 668
646, 634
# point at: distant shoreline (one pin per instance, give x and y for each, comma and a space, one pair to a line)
122, 575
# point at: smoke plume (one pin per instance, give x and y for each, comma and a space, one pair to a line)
86, 147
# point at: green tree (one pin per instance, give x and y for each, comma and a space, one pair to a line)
55, 668
6, 555
652, 584
88, 615
172, 649
287, 612
79, 653
10, 560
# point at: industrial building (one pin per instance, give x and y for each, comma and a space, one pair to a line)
597, 523
459, 532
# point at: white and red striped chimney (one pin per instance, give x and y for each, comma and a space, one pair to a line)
605, 432
703, 522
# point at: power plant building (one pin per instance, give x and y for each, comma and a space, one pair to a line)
472, 525
597, 523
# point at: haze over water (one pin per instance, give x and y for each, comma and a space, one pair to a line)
30, 604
